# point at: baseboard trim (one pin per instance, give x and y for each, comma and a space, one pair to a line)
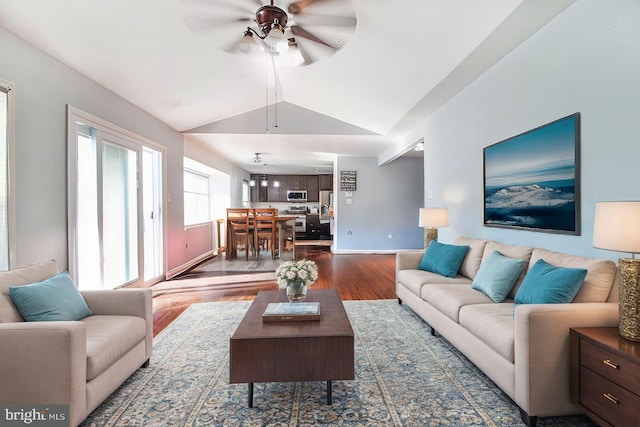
368, 251
189, 264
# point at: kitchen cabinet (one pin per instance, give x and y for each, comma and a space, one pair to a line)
312, 188
313, 184
279, 193
313, 227
325, 182
297, 182
257, 193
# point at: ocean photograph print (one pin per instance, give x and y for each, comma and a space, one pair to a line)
531, 180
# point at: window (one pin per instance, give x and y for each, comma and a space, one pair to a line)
115, 205
245, 194
206, 193
6, 138
196, 198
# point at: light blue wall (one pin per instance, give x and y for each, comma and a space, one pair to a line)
43, 88
586, 60
386, 202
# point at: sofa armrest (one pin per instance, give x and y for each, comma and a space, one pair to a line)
124, 302
408, 260
542, 351
44, 363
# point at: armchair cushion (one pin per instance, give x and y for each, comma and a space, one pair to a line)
109, 338
55, 298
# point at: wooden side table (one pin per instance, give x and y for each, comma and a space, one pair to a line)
605, 376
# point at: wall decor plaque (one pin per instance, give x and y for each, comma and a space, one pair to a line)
347, 180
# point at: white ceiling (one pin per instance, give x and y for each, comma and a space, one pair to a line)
404, 59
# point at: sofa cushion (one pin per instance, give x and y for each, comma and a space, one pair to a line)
449, 299
511, 251
21, 276
471, 262
546, 284
414, 280
54, 298
493, 324
497, 275
600, 273
443, 259
109, 338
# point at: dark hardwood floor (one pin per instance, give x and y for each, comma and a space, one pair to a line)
356, 277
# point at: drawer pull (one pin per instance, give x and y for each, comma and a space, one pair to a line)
610, 364
611, 398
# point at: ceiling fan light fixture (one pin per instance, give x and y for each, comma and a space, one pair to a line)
276, 32
247, 44
269, 17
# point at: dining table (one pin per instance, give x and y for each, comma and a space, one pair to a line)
285, 234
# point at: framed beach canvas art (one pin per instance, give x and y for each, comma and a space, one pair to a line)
531, 180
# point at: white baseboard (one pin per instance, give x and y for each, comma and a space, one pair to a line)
187, 265
369, 251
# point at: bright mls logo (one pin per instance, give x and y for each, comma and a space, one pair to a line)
34, 415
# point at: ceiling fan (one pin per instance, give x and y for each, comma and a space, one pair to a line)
308, 31
257, 160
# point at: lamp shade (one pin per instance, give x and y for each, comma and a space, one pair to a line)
433, 217
616, 226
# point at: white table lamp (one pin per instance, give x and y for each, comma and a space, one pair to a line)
616, 227
431, 219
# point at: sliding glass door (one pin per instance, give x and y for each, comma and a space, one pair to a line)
121, 254
116, 234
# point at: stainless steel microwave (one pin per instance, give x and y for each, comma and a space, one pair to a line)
296, 196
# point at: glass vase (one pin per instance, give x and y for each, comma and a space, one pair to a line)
296, 292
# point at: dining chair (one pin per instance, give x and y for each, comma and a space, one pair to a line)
264, 229
239, 230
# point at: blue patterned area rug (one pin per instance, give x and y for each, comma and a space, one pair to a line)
404, 377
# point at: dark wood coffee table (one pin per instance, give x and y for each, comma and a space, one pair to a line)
315, 350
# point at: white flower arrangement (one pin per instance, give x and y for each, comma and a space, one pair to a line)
300, 272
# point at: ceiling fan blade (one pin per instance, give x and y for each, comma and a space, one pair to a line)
299, 31
299, 6
313, 20
308, 59
200, 23
209, 6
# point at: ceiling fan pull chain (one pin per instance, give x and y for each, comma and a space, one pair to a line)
266, 96
275, 84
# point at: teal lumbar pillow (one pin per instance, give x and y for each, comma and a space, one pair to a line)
497, 275
55, 298
546, 284
443, 259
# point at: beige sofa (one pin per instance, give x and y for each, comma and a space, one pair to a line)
524, 351
75, 363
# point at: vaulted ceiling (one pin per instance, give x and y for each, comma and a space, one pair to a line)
401, 61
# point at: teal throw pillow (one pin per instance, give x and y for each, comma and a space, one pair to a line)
443, 259
55, 298
497, 275
546, 284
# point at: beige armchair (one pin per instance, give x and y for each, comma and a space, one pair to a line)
76, 363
